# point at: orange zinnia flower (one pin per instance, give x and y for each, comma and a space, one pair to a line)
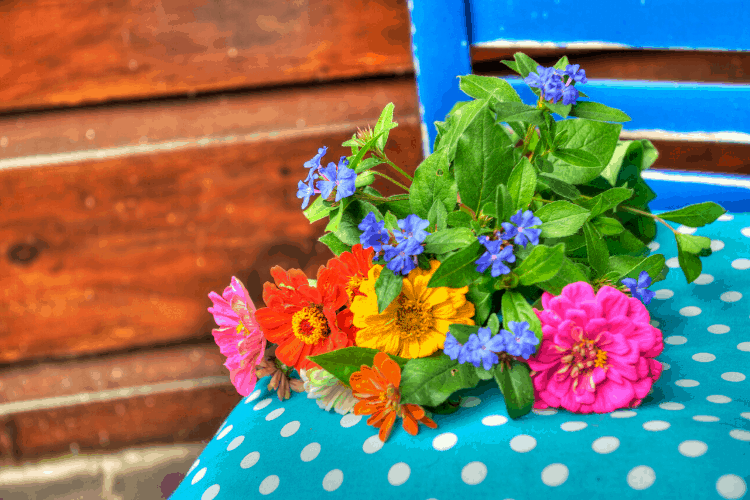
352, 268
303, 319
378, 394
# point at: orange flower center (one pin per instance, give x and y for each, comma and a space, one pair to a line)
411, 318
241, 330
352, 288
582, 358
310, 324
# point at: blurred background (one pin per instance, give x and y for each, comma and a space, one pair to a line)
149, 151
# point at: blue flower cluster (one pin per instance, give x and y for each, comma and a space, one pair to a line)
500, 250
638, 288
482, 347
401, 253
341, 178
550, 82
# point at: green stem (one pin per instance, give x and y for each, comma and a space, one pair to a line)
641, 212
395, 197
397, 168
390, 179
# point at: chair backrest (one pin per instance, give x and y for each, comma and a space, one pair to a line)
444, 30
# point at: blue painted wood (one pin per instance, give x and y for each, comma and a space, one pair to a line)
716, 25
674, 107
677, 189
440, 46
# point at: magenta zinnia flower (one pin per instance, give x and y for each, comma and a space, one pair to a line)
597, 351
239, 337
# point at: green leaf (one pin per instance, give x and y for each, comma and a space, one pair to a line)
542, 264
459, 120
459, 269
391, 221
384, 125
335, 220
334, 244
446, 407
544, 165
517, 389
626, 266
387, 287
607, 200
488, 87
561, 218
688, 248
569, 273
608, 226
437, 216
430, 381
516, 308
368, 163
562, 63
559, 187
525, 64
317, 210
504, 206
576, 157
462, 332
597, 138
493, 324
400, 208
449, 240
559, 108
480, 294
522, 184
348, 232
696, 215
484, 159
433, 180
508, 112
512, 65
341, 363
599, 112
459, 219
598, 254
364, 179
355, 162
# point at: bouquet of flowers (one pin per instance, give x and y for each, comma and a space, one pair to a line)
518, 253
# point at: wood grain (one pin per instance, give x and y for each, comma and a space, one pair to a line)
62, 53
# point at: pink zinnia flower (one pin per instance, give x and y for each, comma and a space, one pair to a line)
239, 337
597, 351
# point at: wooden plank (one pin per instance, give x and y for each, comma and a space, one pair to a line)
59, 53
703, 156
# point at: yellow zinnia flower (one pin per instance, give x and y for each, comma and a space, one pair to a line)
414, 325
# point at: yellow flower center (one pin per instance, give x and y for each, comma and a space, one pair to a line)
412, 318
310, 324
241, 330
583, 357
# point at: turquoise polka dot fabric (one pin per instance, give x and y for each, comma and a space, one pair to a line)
690, 439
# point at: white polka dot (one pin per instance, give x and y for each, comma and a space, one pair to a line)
745, 414
275, 414
665, 366
703, 357
664, 294
310, 452
730, 296
470, 402
741, 264
522, 443
654, 323
740, 434
704, 279
725, 217
573, 426
290, 428
493, 420
733, 376
269, 485
672, 406
656, 425
673, 263
705, 418
250, 460
262, 404
444, 441
192, 467
606, 444
211, 492
686, 382
399, 473
333, 480
641, 477
745, 231
199, 475
235, 443
692, 448
546, 411
690, 311
718, 398
716, 245
731, 486
555, 474
623, 414
744, 346
224, 432
675, 340
350, 420
473, 473
654, 246
252, 397
372, 444
718, 329
686, 229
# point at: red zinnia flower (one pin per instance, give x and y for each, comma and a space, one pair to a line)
302, 319
352, 268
